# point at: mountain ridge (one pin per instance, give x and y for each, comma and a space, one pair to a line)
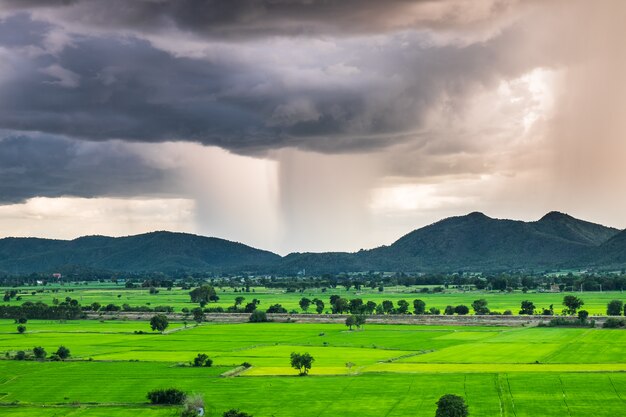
473, 242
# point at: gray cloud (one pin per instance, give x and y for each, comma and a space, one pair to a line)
343, 95
236, 19
47, 166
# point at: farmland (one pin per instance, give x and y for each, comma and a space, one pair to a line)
379, 370
595, 302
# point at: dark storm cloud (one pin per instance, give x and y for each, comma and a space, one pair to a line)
234, 19
359, 95
46, 166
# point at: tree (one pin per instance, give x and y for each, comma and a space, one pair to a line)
449, 310
614, 308
257, 316
461, 310
39, 352
169, 396
527, 307
95, 306
359, 320
339, 305
159, 322
419, 307
387, 306
582, 315
21, 320
304, 303
198, 315
239, 300
350, 321
356, 306
572, 303
202, 360
480, 307
276, 308
62, 352
302, 362
403, 307
21, 329
235, 413
319, 305
451, 405
204, 293
20, 355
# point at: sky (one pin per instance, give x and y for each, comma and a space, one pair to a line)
307, 125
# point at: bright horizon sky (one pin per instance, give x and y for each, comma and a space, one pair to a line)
307, 125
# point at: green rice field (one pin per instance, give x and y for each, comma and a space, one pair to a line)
381, 370
595, 302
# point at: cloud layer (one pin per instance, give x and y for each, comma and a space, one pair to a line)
377, 116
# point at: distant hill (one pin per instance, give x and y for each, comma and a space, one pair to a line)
157, 251
474, 242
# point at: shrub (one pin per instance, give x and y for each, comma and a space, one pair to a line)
21, 329
613, 323
461, 310
39, 352
62, 352
258, 316
235, 413
20, 355
202, 360
171, 396
451, 405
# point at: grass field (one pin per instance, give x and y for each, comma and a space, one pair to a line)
395, 371
595, 302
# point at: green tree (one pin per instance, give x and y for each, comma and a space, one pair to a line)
527, 308
159, 322
572, 304
204, 293
480, 307
302, 362
20, 355
319, 305
403, 307
359, 320
419, 307
614, 308
202, 360
39, 352
62, 352
449, 310
451, 405
304, 303
387, 306
461, 310
258, 316
350, 321
582, 315
169, 396
239, 300
198, 315
277, 309
21, 329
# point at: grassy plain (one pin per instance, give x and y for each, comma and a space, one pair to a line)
595, 302
395, 370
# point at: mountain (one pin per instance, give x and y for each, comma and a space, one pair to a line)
474, 242
611, 252
156, 251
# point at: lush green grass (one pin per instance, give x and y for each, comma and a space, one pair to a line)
595, 302
395, 370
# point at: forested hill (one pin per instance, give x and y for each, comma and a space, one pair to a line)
150, 252
474, 242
